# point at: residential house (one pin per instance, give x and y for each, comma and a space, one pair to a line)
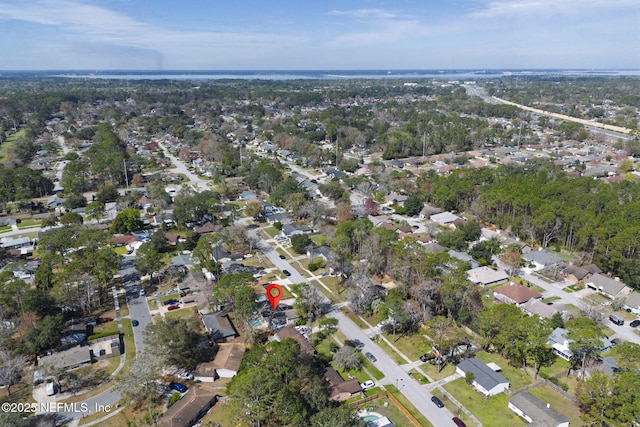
446, 219
463, 256
334, 173
187, 411
289, 230
293, 333
575, 274
228, 359
560, 343
247, 195
395, 198
486, 276
219, 327
222, 256
339, 389
514, 293
632, 303
485, 379
607, 286
323, 252
429, 210
542, 259
207, 227
10, 243
536, 412
538, 308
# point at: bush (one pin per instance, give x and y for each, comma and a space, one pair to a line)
173, 399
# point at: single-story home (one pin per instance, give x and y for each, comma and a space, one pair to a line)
536, 412
289, 230
632, 303
228, 359
187, 411
445, 218
485, 379
537, 307
322, 252
542, 259
291, 332
607, 286
514, 293
463, 256
339, 389
219, 327
486, 276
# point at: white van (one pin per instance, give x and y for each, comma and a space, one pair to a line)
50, 388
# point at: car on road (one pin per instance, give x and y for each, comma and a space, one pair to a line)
635, 323
134, 322
178, 387
173, 307
142, 292
171, 301
437, 402
457, 421
282, 256
371, 357
286, 273
367, 385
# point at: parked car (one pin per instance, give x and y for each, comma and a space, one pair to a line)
282, 256
142, 292
170, 301
134, 322
367, 385
371, 357
616, 319
458, 422
178, 387
437, 402
635, 323
173, 307
286, 273
104, 320
183, 375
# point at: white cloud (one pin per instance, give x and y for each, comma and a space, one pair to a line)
549, 7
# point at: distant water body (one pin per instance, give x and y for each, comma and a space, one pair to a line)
326, 74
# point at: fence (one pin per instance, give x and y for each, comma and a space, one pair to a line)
395, 401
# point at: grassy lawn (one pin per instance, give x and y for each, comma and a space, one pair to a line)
418, 377
174, 295
104, 330
558, 402
550, 299
182, 313
26, 223
408, 406
413, 346
434, 374
120, 250
559, 366
517, 377
369, 367
5, 228
490, 411
9, 144
271, 232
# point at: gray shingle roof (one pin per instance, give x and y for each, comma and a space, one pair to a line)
537, 410
484, 375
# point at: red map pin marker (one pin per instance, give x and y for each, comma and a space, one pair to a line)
274, 294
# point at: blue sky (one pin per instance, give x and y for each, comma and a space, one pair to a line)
326, 34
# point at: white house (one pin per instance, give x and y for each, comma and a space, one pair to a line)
486, 276
560, 343
485, 379
445, 218
632, 303
536, 412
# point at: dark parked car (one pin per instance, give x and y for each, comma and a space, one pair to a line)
134, 322
101, 320
173, 307
635, 323
178, 387
459, 422
170, 301
286, 273
282, 256
371, 357
437, 402
426, 357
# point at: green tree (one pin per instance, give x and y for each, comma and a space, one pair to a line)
176, 342
413, 205
300, 243
43, 335
126, 221
148, 260
71, 218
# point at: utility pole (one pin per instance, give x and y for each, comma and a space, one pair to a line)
126, 177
